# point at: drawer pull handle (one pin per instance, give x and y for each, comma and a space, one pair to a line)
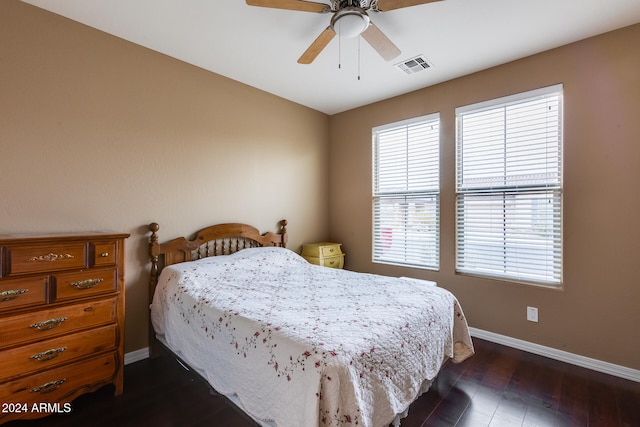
48, 324
49, 354
50, 257
86, 284
48, 387
104, 254
11, 294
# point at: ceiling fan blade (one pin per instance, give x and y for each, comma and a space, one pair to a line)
317, 46
384, 5
303, 6
381, 43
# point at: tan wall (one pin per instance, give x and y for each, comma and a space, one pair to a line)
98, 133
597, 312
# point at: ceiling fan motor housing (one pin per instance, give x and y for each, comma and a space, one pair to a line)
341, 4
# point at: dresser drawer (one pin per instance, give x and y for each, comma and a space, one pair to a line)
85, 283
32, 291
103, 253
34, 258
59, 384
38, 325
53, 352
321, 250
332, 261
330, 250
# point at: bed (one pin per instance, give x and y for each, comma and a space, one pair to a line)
294, 344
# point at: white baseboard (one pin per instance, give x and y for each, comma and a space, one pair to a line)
137, 355
563, 356
552, 353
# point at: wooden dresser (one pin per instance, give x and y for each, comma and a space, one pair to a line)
324, 253
61, 320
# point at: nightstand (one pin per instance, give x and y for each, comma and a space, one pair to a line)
326, 254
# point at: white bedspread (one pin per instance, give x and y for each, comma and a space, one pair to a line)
303, 345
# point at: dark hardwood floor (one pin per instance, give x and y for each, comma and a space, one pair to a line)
499, 386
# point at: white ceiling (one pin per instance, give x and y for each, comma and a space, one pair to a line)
260, 46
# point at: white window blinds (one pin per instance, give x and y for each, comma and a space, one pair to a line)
509, 187
406, 193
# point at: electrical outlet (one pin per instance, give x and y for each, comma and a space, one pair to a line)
532, 314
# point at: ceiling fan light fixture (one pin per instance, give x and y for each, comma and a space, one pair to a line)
350, 22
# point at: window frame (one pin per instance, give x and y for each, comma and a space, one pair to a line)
510, 190
420, 203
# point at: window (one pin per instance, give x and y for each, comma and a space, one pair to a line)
406, 193
509, 187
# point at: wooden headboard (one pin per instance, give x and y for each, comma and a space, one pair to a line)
220, 239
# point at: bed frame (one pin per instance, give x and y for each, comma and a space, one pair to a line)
220, 239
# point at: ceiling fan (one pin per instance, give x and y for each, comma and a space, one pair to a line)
350, 19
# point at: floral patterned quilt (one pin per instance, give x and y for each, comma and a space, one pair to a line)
303, 345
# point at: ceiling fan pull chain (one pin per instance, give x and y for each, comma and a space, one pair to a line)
339, 52
359, 57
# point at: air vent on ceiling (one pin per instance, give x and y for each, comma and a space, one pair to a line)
413, 65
